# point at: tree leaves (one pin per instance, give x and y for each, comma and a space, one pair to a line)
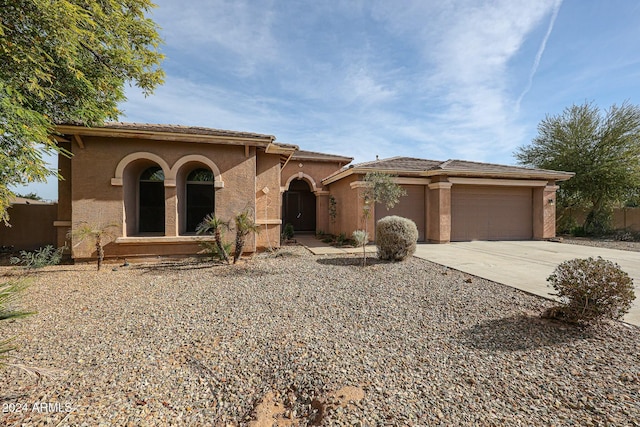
66, 61
603, 149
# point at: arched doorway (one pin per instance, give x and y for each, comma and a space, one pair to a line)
299, 207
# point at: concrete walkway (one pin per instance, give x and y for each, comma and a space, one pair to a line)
526, 265
318, 247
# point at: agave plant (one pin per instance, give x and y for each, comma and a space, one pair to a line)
244, 225
215, 226
97, 235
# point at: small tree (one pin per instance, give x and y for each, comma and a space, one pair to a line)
8, 295
602, 149
215, 226
380, 188
244, 225
97, 235
361, 237
66, 62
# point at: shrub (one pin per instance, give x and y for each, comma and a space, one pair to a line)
396, 238
590, 290
287, 232
211, 249
39, 258
341, 239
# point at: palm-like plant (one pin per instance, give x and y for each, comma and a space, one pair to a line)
97, 235
215, 226
244, 225
8, 295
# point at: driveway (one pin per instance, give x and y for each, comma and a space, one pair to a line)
526, 265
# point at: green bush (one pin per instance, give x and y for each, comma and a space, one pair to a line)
341, 239
590, 290
396, 238
287, 232
211, 249
39, 258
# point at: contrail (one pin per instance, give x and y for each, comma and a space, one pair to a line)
541, 49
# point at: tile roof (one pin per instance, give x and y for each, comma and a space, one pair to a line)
312, 155
194, 130
452, 167
400, 164
468, 166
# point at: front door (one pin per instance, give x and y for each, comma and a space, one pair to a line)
299, 205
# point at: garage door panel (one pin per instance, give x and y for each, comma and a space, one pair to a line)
491, 213
410, 206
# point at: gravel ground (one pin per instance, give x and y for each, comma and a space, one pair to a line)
603, 243
303, 340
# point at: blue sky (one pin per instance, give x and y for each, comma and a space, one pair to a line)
464, 79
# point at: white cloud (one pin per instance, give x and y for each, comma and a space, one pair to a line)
211, 30
466, 48
543, 45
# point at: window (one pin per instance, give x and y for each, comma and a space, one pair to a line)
151, 201
200, 197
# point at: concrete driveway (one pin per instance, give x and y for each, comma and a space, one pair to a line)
527, 264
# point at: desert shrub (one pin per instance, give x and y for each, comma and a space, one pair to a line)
288, 232
396, 238
211, 249
39, 258
341, 239
590, 290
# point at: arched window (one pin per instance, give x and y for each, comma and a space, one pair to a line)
151, 201
200, 197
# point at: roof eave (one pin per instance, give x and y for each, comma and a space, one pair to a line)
360, 170
259, 141
558, 176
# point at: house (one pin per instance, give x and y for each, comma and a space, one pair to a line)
152, 184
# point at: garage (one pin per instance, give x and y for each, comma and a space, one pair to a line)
491, 213
411, 206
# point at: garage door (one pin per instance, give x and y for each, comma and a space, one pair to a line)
491, 213
410, 206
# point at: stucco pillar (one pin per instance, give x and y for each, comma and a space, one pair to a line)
171, 211
439, 212
63, 219
544, 212
322, 210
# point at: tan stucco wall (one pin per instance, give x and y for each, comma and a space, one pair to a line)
63, 219
544, 212
97, 201
268, 200
350, 204
31, 227
439, 212
314, 169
